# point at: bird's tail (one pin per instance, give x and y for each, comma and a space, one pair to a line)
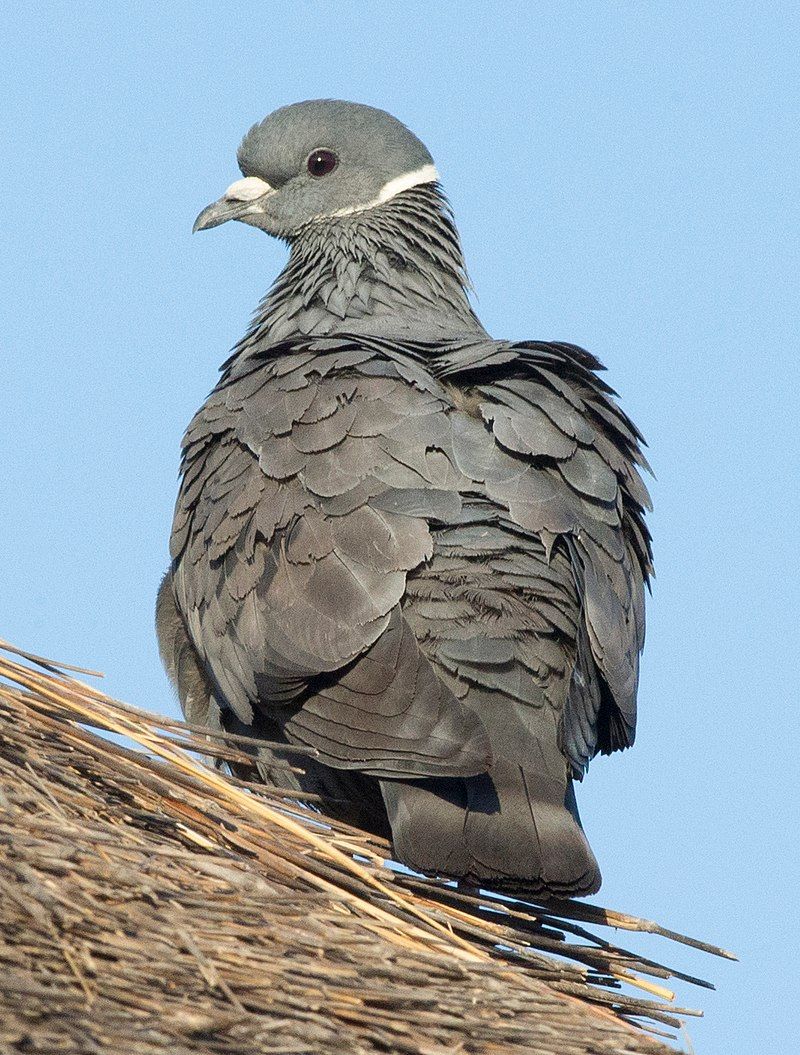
512, 828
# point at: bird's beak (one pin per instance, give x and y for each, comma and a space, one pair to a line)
243, 198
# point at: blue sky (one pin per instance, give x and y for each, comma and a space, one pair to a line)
624, 177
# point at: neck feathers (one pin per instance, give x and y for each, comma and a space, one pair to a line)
396, 268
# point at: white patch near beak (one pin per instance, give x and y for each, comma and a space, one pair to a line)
247, 189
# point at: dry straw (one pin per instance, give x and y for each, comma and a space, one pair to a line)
149, 902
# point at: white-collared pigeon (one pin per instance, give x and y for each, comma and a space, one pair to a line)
413, 548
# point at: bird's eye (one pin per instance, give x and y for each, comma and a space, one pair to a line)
321, 162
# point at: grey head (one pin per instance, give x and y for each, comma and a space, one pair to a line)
317, 160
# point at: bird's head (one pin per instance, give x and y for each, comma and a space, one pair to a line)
319, 160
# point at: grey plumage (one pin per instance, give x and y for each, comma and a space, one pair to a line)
419, 550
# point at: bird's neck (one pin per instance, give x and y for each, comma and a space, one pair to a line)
396, 269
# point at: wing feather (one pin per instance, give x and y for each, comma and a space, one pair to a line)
565, 464
304, 505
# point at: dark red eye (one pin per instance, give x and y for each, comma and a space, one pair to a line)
321, 162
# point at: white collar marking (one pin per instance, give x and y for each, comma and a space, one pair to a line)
426, 174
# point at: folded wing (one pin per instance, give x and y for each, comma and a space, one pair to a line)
565, 463
303, 507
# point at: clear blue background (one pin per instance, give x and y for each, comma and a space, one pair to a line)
625, 176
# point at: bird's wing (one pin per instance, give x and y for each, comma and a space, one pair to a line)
305, 499
565, 462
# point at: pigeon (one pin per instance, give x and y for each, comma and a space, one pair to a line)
416, 552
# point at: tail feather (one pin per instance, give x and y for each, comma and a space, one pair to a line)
512, 828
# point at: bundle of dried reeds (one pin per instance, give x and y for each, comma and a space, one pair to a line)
149, 901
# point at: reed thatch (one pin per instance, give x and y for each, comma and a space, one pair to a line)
150, 903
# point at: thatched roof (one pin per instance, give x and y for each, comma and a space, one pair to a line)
150, 903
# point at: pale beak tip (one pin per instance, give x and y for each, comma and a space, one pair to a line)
207, 218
